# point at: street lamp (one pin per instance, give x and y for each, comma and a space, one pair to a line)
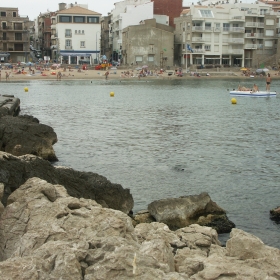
96, 45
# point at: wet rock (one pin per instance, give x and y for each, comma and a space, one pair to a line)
194, 209
25, 135
275, 214
15, 171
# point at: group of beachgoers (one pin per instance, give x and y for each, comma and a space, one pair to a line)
255, 88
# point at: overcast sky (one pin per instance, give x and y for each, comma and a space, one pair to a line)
32, 8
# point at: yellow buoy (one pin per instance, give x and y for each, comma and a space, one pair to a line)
112, 94
233, 101
26, 89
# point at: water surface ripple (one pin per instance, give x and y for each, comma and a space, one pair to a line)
169, 138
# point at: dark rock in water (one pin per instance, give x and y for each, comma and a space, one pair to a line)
15, 171
275, 214
193, 209
25, 135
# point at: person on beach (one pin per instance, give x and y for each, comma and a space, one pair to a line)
7, 76
58, 76
268, 82
106, 75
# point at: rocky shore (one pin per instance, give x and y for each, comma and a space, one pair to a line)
59, 223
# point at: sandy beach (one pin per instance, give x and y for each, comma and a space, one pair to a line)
121, 73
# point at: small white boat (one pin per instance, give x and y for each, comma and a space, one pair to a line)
252, 94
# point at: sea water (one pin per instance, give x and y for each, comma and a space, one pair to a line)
169, 138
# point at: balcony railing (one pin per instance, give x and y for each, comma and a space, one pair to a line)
250, 46
254, 24
235, 51
68, 35
197, 39
237, 18
236, 40
68, 48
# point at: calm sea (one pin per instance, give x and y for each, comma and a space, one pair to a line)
169, 138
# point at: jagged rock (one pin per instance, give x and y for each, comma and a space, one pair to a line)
275, 214
16, 170
46, 234
193, 209
25, 135
1, 195
143, 216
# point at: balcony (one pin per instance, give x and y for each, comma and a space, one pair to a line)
253, 35
236, 29
235, 51
197, 28
68, 48
197, 39
254, 24
68, 35
53, 36
197, 51
250, 46
237, 19
236, 40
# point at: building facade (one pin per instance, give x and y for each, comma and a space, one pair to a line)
227, 34
75, 35
172, 9
127, 13
105, 46
14, 36
149, 44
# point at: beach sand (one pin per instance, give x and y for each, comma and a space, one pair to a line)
118, 74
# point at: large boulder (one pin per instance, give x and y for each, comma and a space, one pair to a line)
187, 210
25, 135
46, 234
15, 171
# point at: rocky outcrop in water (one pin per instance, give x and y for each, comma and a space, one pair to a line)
187, 210
15, 171
25, 135
275, 214
46, 234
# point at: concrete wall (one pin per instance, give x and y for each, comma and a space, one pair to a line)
146, 40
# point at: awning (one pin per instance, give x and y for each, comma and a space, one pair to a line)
4, 54
77, 53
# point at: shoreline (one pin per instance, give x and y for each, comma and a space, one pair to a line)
118, 74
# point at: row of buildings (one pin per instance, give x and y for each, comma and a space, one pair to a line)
158, 33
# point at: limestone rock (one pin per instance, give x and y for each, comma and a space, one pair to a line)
184, 211
16, 170
25, 135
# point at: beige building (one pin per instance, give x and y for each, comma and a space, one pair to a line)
226, 34
14, 36
149, 44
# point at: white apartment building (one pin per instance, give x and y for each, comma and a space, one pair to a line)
75, 35
127, 13
226, 34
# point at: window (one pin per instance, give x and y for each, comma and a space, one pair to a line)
14, 14
83, 31
269, 22
18, 36
226, 26
68, 33
207, 47
83, 44
79, 19
206, 13
76, 31
150, 58
68, 44
207, 25
268, 44
65, 19
138, 58
151, 48
3, 14
269, 32
93, 19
